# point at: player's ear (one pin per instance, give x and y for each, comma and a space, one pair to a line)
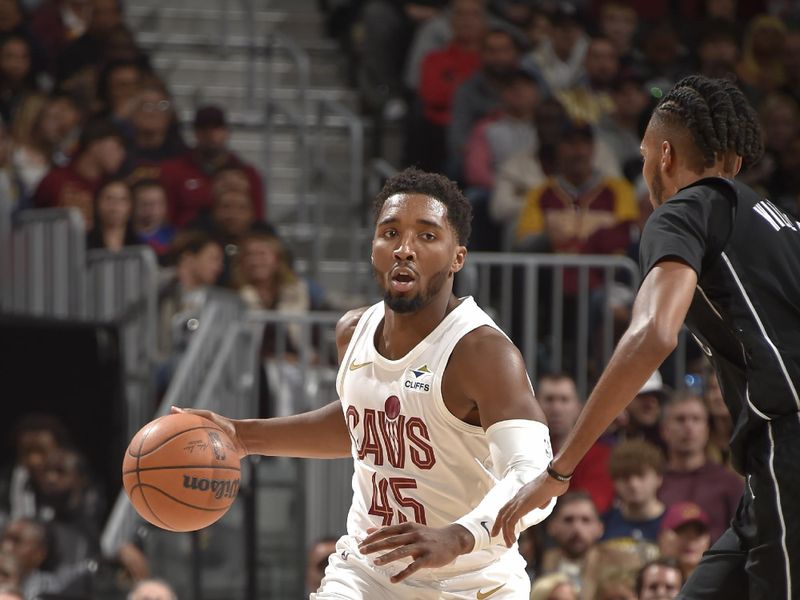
667, 155
737, 165
458, 259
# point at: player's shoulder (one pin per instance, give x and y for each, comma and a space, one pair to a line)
482, 349
347, 324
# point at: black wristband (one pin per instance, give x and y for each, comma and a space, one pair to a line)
556, 475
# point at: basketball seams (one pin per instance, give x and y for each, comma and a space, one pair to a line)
169, 439
137, 470
140, 487
139, 478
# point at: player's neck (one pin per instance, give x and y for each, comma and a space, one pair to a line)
401, 332
687, 177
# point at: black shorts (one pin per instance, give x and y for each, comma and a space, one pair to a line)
758, 558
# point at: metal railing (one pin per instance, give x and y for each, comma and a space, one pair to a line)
122, 286
47, 264
525, 293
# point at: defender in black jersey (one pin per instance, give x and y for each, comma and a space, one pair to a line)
727, 262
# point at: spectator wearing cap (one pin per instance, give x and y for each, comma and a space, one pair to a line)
632, 524
590, 98
640, 420
684, 535
577, 210
690, 475
189, 178
558, 62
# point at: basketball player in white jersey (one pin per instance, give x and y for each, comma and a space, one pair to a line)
435, 408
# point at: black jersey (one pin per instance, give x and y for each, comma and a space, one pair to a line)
746, 310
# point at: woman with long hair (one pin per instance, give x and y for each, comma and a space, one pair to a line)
113, 227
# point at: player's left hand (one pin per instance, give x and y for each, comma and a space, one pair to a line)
536, 494
429, 547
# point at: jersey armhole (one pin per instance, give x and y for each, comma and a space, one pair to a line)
357, 332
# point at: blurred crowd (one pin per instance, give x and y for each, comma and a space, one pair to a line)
537, 107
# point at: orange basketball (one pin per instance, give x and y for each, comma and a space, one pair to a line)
181, 472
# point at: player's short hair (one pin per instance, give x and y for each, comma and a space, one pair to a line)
633, 457
416, 181
716, 114
669, 563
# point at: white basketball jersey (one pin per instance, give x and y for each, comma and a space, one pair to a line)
414, 460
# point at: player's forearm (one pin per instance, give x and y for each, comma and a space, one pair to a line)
638, 354
320, 433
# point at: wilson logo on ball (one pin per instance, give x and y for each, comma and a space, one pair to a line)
220, 488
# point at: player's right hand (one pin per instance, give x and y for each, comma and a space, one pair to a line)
227, 425
536, 494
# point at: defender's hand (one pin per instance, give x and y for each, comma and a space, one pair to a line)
430, 547
536, 494
227, 425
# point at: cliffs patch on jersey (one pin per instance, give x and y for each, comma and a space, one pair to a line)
421, 380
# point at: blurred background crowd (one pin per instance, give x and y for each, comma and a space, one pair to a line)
535, 107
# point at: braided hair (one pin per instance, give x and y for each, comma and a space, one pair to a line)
717, 115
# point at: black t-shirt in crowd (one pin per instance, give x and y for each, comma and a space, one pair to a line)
745, 313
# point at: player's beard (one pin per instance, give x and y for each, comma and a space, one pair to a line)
411, 304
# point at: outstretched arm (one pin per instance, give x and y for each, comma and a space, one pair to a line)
320, 433
658, 314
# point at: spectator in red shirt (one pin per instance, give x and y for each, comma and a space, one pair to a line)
690, 475
559, 400
188, 179
441, 74
100, 154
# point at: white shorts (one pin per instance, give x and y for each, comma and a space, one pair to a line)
350, 577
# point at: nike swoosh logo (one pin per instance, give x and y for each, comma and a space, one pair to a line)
354, 366
485, 525
492, 592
